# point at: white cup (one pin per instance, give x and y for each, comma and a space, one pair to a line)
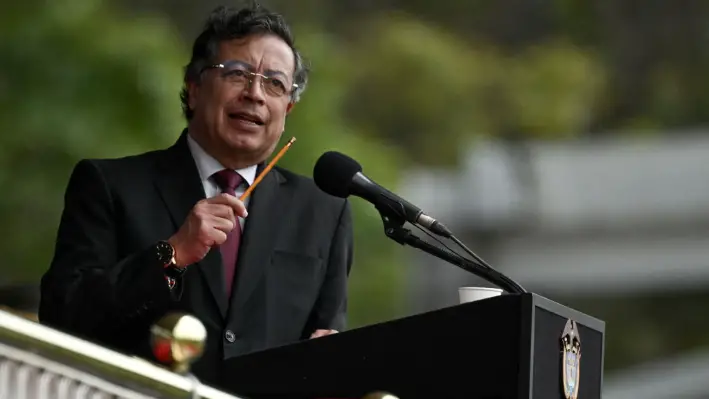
472, 294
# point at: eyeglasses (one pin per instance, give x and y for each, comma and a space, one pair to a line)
235, 72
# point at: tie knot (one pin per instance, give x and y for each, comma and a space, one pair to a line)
227, 179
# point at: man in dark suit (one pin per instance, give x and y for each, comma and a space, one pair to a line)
162, 231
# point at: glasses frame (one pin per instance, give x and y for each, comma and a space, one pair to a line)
250, 76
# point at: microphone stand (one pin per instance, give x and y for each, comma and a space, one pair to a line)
393, 228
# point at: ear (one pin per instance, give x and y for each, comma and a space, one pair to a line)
289, 107
193, 92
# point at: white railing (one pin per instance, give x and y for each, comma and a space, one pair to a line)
38, 362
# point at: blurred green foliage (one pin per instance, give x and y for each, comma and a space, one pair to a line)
429, 92
78, 80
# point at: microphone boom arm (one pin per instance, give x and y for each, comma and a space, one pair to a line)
393, 228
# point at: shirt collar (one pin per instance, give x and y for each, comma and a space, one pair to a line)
207, 165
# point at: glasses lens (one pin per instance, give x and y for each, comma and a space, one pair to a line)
274, 86
235, 74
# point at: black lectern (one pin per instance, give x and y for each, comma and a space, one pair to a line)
503, 347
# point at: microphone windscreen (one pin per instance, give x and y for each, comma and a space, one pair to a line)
333, 173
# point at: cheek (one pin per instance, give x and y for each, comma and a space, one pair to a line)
213, 100
278, 118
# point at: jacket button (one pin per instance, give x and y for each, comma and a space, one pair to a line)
229, 335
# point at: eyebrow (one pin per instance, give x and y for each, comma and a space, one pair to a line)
267, 72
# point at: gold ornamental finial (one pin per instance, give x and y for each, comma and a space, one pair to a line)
380, 395
177, 340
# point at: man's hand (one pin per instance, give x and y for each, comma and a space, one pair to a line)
206, 226
322, 333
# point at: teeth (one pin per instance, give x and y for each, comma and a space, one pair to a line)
247, 121
244, 118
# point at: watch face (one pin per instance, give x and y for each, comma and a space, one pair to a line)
164, 252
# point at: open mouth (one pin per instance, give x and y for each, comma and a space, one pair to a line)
246, 117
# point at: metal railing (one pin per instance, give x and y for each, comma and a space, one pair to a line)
39, 362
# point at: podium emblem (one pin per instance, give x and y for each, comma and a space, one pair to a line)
571, 360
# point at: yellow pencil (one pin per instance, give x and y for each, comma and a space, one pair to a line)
268, 168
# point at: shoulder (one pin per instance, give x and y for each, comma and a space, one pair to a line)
124, 165
101, 177
133, 167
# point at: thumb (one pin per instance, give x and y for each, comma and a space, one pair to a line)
321, 333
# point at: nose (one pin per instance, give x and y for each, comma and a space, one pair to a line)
253, 91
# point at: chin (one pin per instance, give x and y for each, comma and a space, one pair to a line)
240, 139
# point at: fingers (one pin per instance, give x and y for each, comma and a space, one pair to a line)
218, 237
207, 228
217, 216
221, 224
219, 210
234, 203
210, 222
322, 333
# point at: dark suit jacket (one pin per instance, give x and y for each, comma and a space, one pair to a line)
106, 285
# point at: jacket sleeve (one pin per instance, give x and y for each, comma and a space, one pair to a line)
330, 310
87, 290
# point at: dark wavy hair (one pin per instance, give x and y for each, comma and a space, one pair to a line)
227, 23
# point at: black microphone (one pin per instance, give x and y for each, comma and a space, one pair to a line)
341, 176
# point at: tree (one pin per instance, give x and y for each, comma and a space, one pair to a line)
431, 93
78, 80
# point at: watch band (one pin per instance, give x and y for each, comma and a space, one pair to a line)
170, 282
174, 271
165, 254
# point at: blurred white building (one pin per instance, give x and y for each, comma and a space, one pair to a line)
586, 218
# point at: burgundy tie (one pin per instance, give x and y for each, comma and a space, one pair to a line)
228, 180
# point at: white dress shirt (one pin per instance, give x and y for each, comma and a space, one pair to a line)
207, 166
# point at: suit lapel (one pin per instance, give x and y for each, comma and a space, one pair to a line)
181, 188
269, 202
